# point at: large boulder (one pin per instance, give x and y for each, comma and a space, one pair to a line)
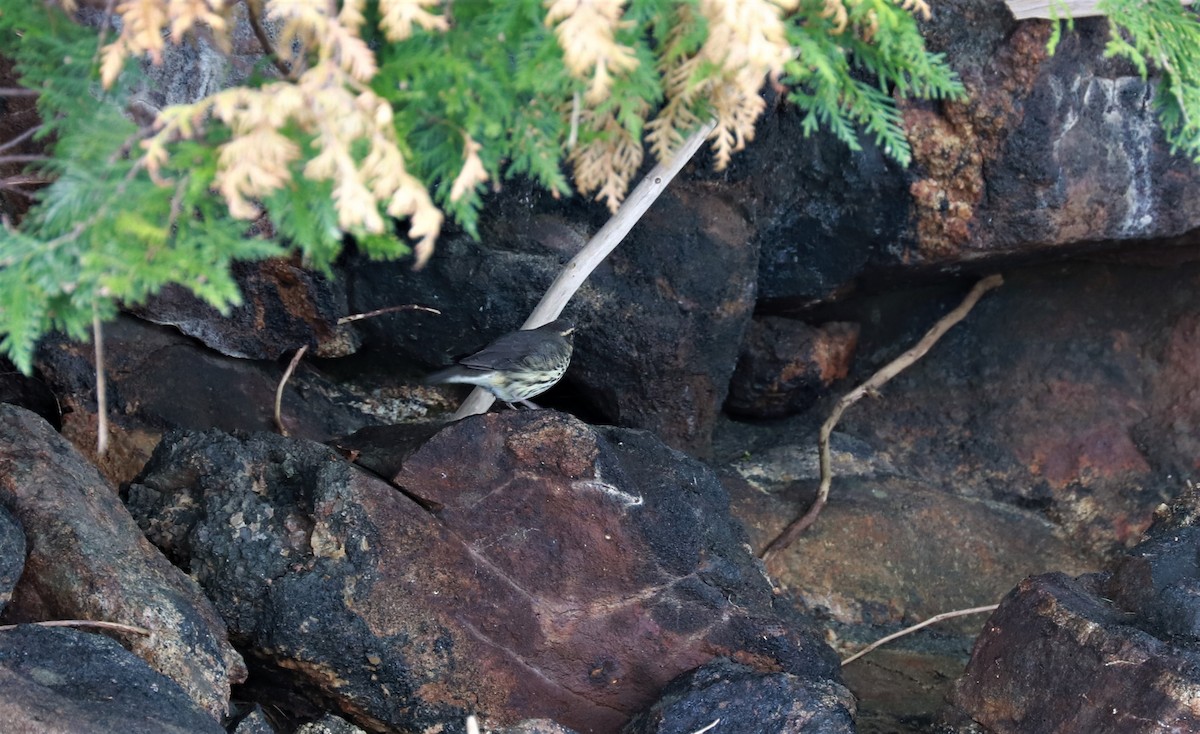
1112, 652
64, 681
88, 560
519, 564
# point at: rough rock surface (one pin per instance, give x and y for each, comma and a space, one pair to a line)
159, 379
1058, 656
63, 681
1112, 652
88, 560
888, 550
785, 365
566, 572
747, 701
12, 555
1048, 153
654, 347
284, 308
1064, 392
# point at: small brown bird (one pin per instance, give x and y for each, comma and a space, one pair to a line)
517, 366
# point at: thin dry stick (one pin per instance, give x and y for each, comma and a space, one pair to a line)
20, 138
101, 385
710, 727
908, 630
287, 375
575, 272
876, 381
24, 158
252, 13
382, 311
84, 623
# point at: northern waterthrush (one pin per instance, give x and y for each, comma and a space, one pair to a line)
518, 365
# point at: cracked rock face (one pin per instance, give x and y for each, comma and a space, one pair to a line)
1107, 652
566, 572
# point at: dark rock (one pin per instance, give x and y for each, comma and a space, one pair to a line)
284, 307
888, 550
63, 681
654, 347
533, 726
87, 560
159, 379
1159, 583
1112, 652
252, 721
901, 687
329, 724
30, 393
12, 555
822, 213
1049, 396
785, 365
1057, 656
747, 701
1048, 155
570, 574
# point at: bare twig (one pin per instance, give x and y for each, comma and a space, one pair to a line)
575, 272
573, 136
29, 158
21, 138
382, 311
84, 623
710, 727
287, 375
17, 92
101, 385
876, 381
252, 13
909, 630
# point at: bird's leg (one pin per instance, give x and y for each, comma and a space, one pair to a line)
530, 404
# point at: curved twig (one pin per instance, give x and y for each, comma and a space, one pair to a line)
382, 311
83, 623
252, 14
575, 272
287, 375
876, 381
909, 630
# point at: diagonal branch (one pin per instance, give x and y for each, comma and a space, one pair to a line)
876, 381
575, 272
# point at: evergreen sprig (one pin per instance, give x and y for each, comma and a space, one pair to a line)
438, 108
1165, 35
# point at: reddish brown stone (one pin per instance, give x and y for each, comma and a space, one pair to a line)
886, 550
568, 573
87, 560
1058, 656
785, 365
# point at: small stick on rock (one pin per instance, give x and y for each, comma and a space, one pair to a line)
382, 311
876, 381
909, 630
287, 375
84, 623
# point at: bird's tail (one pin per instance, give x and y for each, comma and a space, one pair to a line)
457, 373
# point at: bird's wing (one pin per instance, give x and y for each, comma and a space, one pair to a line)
508, 352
